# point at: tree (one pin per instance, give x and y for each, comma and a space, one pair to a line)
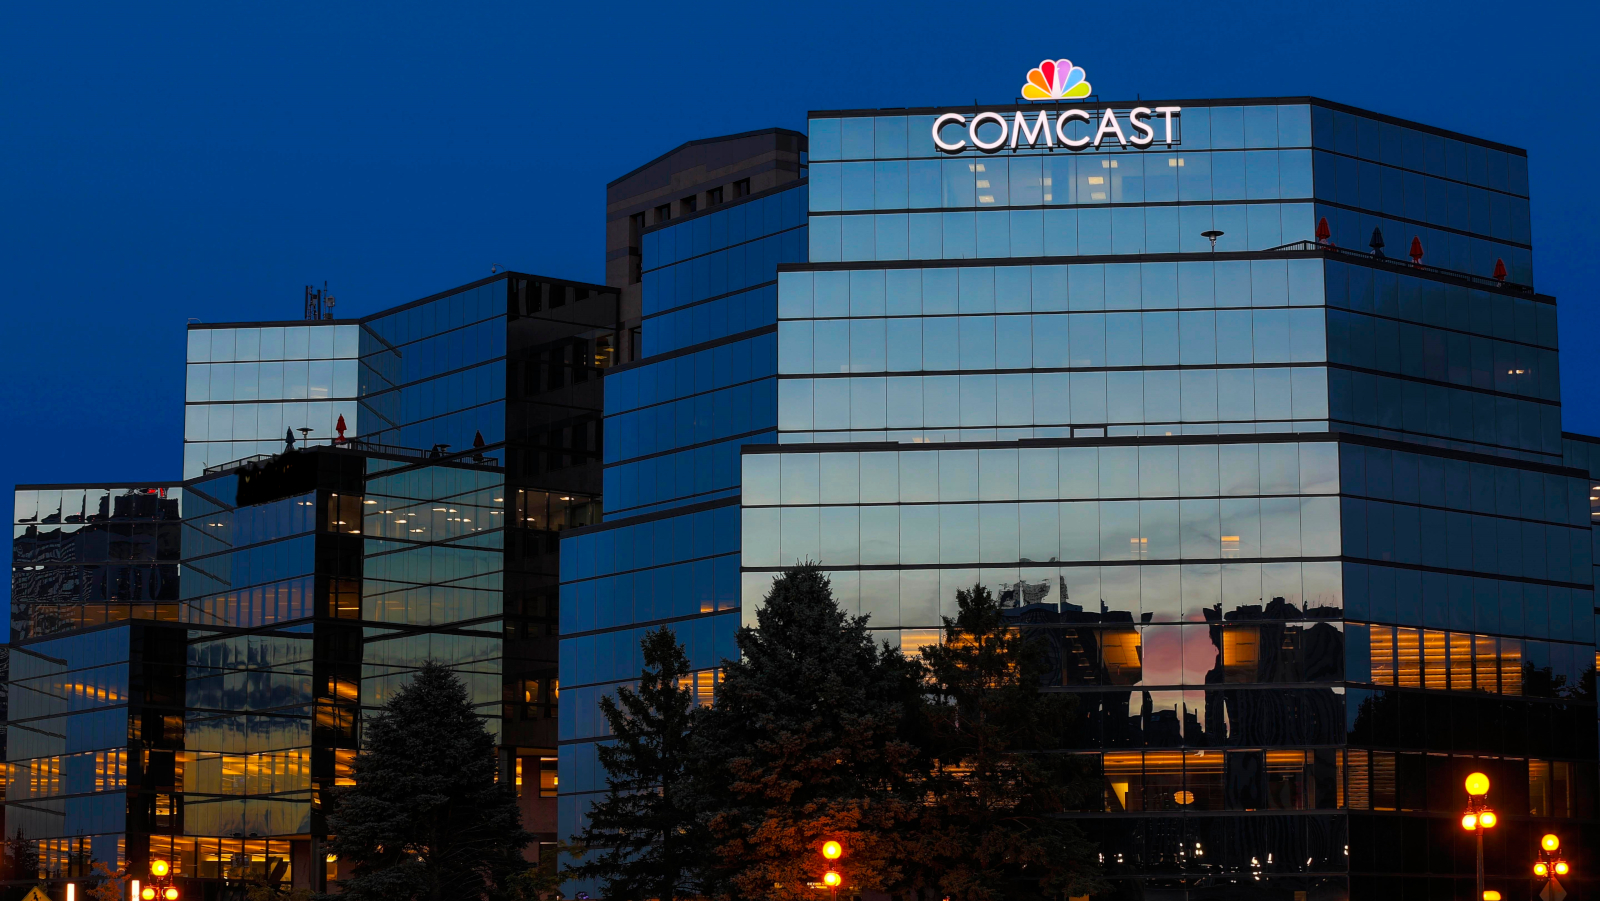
991, 828
643, 834
426, 818
812, 737
22, 857
106, 883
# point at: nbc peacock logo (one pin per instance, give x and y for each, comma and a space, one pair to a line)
1056, 79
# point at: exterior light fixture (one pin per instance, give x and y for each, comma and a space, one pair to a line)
1478, 817
1548, 865
831, 850
1477, 785
830, 879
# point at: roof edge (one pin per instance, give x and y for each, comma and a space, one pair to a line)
699, 141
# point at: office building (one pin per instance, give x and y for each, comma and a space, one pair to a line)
321, 565
713, 220
1248, 409
95, 685
1296, 518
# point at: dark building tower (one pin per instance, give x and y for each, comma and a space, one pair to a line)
508, 371
432, 535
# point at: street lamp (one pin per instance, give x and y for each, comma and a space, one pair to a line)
831, 850
1478, 817
1549, 864
160, 887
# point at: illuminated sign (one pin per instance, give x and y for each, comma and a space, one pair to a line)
1058, 80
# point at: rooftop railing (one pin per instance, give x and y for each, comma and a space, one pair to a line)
1400, 263
359, 445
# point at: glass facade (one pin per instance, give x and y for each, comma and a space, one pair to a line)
318, 582
1262, 174
314, 582
272, 554
95, 683
1297, 524
248, 385
675, 422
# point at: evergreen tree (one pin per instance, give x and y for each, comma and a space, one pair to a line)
811, 738
990, 829
426, 820
22, 857
643, 835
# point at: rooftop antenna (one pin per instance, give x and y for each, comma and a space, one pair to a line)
1213, 235
313, 310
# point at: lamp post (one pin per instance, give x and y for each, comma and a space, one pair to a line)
1478, 817
160, 887
1549, 866
831, 850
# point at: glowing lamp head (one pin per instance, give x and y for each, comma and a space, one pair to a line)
1561, 868
159, 868
1541, 869
1550, 842
1488, 819
147, 893
1490, 894
1469, 821
831, 850
831, 879
171, 894
1477, 785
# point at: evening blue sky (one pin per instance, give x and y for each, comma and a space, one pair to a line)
174, 161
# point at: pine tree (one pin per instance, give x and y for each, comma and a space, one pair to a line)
991, 829
644, 836
811, 738
22, 857
426, 820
